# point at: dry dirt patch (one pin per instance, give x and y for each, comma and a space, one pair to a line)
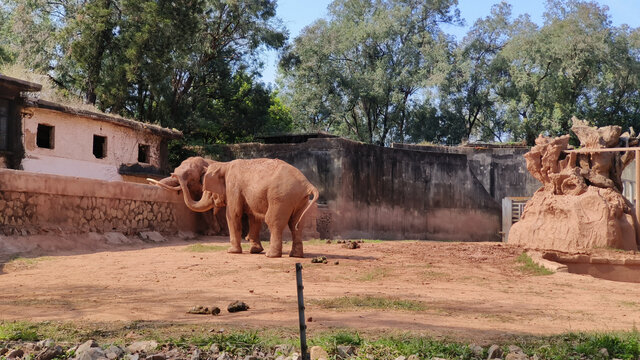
468, 290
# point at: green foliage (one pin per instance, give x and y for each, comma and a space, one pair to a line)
369, 302
189, 65
529, 267
370, 73
364, 72
18, 330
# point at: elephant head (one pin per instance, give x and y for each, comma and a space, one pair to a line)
213, 189
186, 177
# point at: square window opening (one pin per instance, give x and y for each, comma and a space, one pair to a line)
4, 124
44, 136
99, 146
143, 153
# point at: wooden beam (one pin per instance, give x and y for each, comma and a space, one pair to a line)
594, 150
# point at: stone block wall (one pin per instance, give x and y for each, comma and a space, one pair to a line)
33, 203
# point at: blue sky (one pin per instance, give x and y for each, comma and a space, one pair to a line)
296, 14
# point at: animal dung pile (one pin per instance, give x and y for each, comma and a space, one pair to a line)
580, 205
203, 310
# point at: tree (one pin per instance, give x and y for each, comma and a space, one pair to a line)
188, 64
365, 72
468, 107
551, 69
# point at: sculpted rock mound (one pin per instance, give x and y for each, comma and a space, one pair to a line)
580, 205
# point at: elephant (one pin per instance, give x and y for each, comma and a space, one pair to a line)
268, 190
190, 173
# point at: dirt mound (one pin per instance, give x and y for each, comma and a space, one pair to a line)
580, 205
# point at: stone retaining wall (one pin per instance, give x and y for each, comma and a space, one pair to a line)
34, 203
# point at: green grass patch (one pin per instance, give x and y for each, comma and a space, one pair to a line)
379, 346
375, 274
22, 262
369, 302
202, 248
18, 330
527, 266
629, 304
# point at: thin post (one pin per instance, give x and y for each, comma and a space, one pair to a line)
303, 326
637, 186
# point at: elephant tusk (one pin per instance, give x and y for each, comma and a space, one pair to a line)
158, 183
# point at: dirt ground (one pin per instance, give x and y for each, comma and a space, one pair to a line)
470, 290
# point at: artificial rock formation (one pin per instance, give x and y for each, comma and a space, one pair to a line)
580, 205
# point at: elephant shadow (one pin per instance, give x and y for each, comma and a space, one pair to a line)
339, 256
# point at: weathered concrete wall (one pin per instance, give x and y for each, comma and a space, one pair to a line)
368, 191
33, 203
501, 170
72, 154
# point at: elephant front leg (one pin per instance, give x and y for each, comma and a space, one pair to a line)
235, 231
254, 235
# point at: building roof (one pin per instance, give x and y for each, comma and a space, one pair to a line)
16, 86
13, 87
113, 119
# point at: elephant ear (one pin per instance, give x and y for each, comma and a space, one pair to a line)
213, 180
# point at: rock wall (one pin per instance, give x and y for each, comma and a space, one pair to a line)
369, 191
32, 203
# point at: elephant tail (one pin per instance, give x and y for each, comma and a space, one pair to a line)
312, 191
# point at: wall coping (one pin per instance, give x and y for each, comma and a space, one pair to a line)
23, 181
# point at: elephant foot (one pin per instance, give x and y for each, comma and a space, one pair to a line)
298, 254
274, 254
256, 249
235, 250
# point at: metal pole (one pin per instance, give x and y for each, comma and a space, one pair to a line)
637, 186
303, 326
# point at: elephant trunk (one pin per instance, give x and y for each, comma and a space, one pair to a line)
204, 204
169, 183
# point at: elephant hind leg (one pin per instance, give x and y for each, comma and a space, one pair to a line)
296, 235
276, 219
254, 235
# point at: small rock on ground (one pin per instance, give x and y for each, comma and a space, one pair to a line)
142, 346
156, 357
495, 352
50, 353
153, 236
346, 351
318, 353
16, 353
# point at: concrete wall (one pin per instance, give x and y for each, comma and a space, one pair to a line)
33, 203
368, 191
72, 154
502, 170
